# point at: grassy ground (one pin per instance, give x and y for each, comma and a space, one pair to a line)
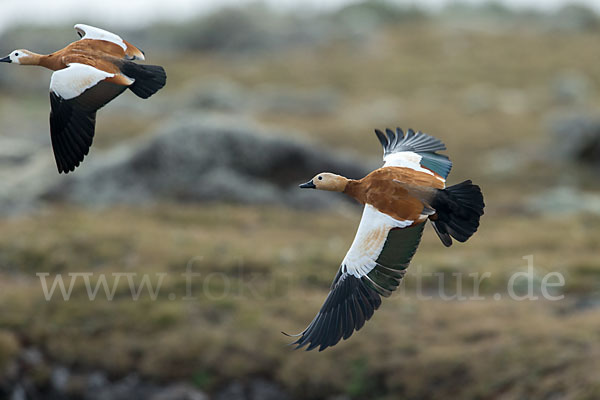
246, 294
263, 271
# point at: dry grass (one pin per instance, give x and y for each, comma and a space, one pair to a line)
246, 294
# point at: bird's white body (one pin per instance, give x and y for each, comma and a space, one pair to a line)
71, 82
369, 241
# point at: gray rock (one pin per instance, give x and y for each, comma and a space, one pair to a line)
32, 357
234, 391
18, 393
587, 302
290, 101
205, 159
128, 388
214, 94
192, 158
478, 98
217, 95
96, 380
576, 138
571, 88
264, 390
504, 161
258, 389
59, 379
257, 29
562, 201
575, 17
23, 186
15, 152
180, 391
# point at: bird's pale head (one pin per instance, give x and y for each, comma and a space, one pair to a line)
326, 181
21, 56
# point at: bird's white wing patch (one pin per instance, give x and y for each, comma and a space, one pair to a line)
72, 81
90, 32
406, 159
369, 241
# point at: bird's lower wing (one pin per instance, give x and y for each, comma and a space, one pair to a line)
76, 93
373, 267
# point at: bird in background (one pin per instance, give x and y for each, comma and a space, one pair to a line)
398, 198
89, 73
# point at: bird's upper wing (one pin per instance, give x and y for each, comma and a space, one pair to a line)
87, 32
373, 267
415, 150
76, 93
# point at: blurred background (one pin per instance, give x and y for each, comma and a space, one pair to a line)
203, 178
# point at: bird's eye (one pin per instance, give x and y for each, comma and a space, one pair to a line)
320, 178
17, 54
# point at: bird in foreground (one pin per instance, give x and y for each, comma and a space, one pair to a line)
89, 73
398, 198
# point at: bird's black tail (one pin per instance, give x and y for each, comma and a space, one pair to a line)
149, 79
458, 209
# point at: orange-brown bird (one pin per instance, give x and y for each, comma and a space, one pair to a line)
398, 199
88, 74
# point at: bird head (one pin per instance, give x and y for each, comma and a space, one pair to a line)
21, 56
326, 181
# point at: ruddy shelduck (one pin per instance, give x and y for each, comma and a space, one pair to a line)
398, 199
88, 74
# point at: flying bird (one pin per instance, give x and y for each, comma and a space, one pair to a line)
89, 73
398, 198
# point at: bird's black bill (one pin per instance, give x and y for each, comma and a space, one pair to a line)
308, 185
5, 59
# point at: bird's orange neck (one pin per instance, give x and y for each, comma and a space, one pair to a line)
50, 61
356, 190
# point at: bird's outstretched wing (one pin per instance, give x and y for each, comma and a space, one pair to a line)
373, 267
76, 93
415, 150
87, 32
